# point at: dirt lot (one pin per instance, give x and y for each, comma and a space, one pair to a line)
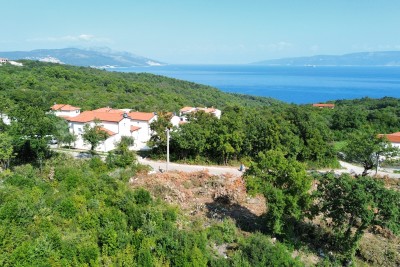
202, 194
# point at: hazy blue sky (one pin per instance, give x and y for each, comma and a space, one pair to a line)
203, 31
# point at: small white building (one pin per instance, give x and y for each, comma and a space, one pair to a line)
115, 122
187, 110
3, 60
63, 110
140, 128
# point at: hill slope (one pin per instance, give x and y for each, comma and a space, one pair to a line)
42, 84
80, 57
384, 58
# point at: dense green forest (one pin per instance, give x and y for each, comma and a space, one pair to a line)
43, 84
60, 211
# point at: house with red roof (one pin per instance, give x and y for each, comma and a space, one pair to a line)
63, 110
393, 138
115, 122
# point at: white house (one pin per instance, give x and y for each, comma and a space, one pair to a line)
116, 122
187, 110
140, 128
393, 138
63, 110
3, 60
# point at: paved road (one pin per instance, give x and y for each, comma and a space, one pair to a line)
350, 168
218, 170
215, 170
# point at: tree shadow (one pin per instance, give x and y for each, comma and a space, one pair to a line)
246, 220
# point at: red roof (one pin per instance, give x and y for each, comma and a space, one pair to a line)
134, 128
110, 133
393, 138
88, 116
109, 110
186, 109
64, 107
141, 116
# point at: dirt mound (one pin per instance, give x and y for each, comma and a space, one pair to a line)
200, 193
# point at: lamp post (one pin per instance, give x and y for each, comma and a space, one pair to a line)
167, 130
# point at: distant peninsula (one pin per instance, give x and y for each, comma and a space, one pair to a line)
98, 58
382, 58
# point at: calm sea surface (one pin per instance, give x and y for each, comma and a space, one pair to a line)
298, 85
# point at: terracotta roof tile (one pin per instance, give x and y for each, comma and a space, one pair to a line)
64, 107
141, 116
393, 138
57, 106
110, 133
88, 116
134, 128
186, 109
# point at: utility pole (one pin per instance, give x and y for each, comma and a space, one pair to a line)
167, 148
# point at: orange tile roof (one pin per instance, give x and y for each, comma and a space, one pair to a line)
393, 138
88, 116
105, 109
141, 116
69, 108
134, 128
186, 109
64, 107
57, 106
109, 110
110, 133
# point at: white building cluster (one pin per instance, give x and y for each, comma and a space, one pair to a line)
117, 123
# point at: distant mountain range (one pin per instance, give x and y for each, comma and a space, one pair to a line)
99, 58
384, 58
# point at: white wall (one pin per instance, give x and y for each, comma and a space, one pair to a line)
69, 113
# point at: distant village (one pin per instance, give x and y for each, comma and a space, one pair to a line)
6, 61
118, 123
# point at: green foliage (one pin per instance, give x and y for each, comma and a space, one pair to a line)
366, 147
6, 150
94, 135
284, 183
257, 250
122, 156
42, 84
355, 204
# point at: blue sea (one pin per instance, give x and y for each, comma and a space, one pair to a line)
300, 85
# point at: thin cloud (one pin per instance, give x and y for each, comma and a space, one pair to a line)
71, 38
278, 46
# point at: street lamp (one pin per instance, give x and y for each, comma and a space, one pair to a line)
167, 130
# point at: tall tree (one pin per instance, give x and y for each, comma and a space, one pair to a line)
94, 135
366, 148
6, 150
352, 205
158, 141
285, 185
31, 128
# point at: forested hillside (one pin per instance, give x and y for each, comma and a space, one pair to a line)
59, 211
42, 84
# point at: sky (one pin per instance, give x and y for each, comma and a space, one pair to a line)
203, 31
